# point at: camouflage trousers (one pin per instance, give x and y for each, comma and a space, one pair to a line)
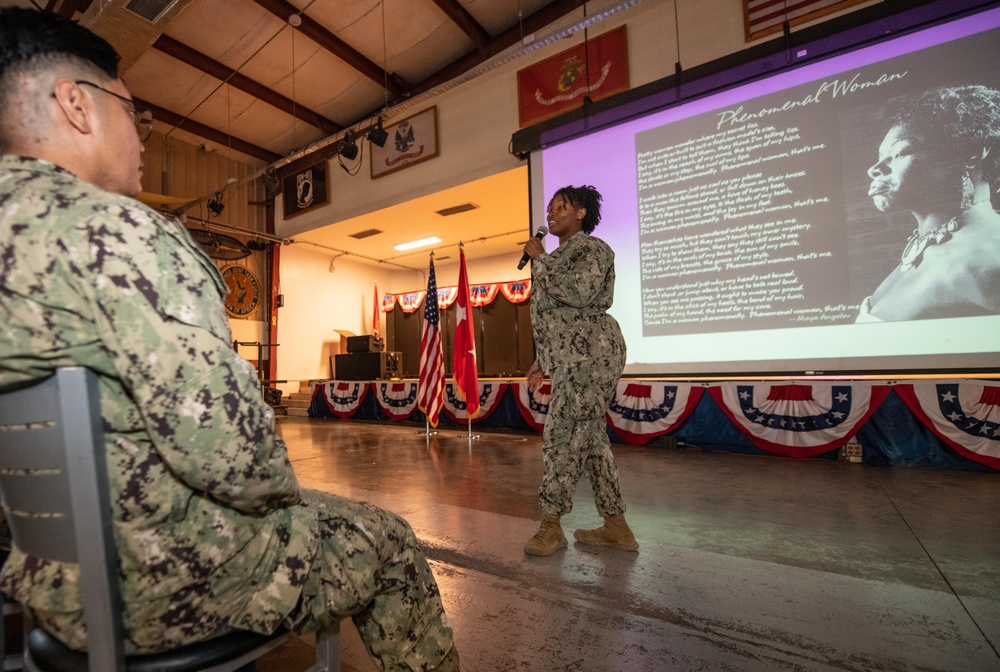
576, 439
369, 567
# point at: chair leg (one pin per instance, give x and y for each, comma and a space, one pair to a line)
328, 649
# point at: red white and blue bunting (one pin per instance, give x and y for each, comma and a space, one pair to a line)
489, 398
964, 414
483, 295
411, 301
798, 420
642, 411
793, 420
343, 398
533, 406
516, 291
397, 399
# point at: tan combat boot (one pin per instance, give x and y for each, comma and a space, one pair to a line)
548, 539
614, 533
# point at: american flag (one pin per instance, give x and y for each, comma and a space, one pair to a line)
431, 355
464, 372
762, 17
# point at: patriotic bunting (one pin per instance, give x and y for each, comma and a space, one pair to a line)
411, 302
534, 406
397, 400
798, 420
793, 420
486, 401
446, 297
343, 398
483, 295
517, 291
642, 411
963, 414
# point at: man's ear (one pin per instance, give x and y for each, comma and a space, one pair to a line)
76, 107
581, 213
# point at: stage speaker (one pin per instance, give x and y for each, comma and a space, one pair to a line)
365, 344
368, 366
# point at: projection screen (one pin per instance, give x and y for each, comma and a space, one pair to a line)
745, 235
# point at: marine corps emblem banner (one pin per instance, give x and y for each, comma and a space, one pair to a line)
561, 82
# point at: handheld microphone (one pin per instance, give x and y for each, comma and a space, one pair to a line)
541, 233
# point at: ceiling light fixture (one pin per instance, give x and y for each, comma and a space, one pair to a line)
216, 205
423, 242
378, 135
347, 148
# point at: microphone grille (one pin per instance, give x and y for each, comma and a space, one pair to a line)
542, 230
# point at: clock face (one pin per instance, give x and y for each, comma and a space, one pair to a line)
244, 292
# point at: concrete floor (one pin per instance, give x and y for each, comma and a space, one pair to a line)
746, 563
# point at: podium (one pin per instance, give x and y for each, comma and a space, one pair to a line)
368, 366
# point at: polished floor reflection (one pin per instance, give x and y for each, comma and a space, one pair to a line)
746, 563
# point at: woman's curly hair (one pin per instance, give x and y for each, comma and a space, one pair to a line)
583, 197
961, 120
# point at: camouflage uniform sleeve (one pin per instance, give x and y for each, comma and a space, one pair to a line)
158, 309
577, 277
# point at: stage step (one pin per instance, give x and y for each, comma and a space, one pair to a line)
298, 403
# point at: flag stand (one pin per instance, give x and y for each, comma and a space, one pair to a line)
471, 435
427, 429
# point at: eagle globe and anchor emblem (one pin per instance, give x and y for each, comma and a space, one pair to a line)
244, 290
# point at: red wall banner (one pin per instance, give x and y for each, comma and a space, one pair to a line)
560, 83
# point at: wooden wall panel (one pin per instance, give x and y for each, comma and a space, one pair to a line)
504, 345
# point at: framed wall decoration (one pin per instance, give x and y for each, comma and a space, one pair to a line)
597, 68
411, 141
305, 190
244, 291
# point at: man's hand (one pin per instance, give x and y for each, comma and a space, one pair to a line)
534, 378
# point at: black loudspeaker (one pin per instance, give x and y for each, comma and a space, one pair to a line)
368, 366
365, 344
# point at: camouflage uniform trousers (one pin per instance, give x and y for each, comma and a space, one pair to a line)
370, 568
576, 439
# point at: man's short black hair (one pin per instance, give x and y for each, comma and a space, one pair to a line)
27, 36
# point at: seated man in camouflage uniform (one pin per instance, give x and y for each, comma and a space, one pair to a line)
212, 530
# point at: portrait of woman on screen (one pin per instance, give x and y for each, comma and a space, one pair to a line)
940, 160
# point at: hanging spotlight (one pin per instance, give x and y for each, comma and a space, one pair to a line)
347, 148
377, 135
215, 205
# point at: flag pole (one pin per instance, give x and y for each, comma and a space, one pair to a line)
465, 364
427, 429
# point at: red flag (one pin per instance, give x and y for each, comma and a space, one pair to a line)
375, 313
465, 374
431, 393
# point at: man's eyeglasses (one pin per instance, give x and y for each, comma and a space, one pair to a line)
142, 117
